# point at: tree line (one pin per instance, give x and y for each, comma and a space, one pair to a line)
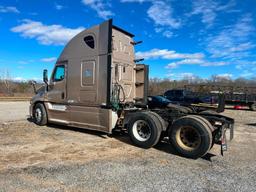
10, 87
157, 86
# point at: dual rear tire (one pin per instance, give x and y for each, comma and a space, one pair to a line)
144, 129
190, 136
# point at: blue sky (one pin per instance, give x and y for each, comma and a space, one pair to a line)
181, 38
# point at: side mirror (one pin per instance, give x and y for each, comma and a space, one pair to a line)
45, 76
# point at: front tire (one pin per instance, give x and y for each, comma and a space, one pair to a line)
190, 136
39, 114
144, 129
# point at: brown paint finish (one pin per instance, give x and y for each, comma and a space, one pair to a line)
123, 63
93, 61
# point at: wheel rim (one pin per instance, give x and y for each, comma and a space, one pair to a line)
188, 138
38, 115
141, 130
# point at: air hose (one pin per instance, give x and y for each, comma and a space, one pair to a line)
115, 98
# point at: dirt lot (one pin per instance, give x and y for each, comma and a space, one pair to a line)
57, 158
10, 111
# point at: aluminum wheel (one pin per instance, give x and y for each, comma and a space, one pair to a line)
188, 138
141, 130
38, 115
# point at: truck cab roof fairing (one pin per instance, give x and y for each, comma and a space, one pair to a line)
76, 47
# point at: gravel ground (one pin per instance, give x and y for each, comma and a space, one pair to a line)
57, 158
10, 111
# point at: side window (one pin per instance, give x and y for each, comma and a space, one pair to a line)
59, 73
88, 70
89, 41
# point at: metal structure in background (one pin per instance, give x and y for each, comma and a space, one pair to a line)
234, 95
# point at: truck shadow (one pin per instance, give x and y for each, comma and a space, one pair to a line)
251, 124
242, 109
76, 129
81, 130
163, 145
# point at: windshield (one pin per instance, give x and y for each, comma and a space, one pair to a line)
162, 99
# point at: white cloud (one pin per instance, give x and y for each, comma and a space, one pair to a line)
208, 9
19, 79
59, 7
183, 58
168, 34
183, 76
247, 74
22, 79
215, 63
184, 62
226, 76
246, 67
49, 59
167, 54
242, 47
162, 15
100, 7
233, 41
135, 1
200, 62
9, 9
158, 29
23, 62
46, 34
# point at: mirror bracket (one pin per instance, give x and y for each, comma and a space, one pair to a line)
45, 78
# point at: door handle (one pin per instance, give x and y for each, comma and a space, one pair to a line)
62, 95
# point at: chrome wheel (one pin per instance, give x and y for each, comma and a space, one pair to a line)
38, 115
141, 130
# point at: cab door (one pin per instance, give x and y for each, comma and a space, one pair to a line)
57, 85
57, 107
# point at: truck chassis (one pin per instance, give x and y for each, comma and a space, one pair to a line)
191, 134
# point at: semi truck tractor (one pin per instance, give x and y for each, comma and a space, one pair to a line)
98, 84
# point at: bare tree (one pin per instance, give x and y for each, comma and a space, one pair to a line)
6, 81
215, 82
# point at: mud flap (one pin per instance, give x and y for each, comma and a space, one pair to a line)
224, 146
231, 128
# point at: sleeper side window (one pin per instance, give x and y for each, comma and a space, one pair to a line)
88, 70
89, 41
59, 73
